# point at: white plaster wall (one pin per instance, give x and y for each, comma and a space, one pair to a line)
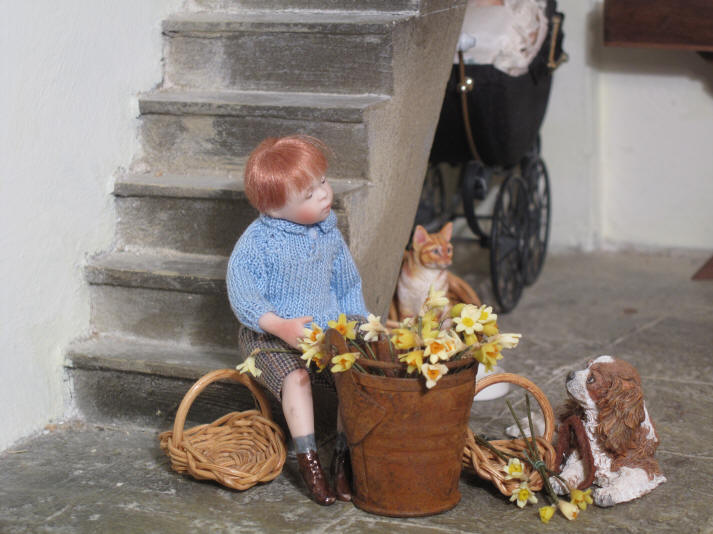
656, 139
69, 75
628, 139
570, 137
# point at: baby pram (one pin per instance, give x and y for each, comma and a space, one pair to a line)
489, 128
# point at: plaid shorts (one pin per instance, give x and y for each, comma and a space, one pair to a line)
275, 366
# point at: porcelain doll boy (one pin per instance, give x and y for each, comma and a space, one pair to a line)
291, 267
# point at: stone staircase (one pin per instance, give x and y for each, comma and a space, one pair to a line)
366, 79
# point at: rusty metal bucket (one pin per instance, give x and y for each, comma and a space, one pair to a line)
406, 441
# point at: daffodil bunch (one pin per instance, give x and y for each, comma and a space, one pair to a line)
478, 327
523, 494
314, 351
423, 344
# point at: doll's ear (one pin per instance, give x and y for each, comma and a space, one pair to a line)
447, 231
420, 236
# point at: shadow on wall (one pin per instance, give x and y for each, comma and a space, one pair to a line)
644, 61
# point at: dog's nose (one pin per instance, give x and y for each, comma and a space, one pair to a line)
570, 376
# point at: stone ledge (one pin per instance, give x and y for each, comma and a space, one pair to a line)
302, 21
116, 353
174, 271
288, 105
218, 186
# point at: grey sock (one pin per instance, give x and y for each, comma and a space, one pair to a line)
341, 444
305, 443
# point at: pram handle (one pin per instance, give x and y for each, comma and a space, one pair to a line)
553, 63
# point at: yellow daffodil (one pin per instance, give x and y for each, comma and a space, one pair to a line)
569, 510
455, 310
471, 340
344, 362
248, 366
312, 353
442, 347
506, 341
344, 327
429, 325
488, 354
404, 338
514, 469
523, 495
581, 498
413, 359
486, 315
433, 373
435, 300
408, 322
373, 328
312, 335
490, 329
467, 321
546, 513
320, 361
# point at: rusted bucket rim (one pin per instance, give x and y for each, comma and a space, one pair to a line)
376, 364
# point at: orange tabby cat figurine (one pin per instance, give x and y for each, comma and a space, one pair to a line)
425, 266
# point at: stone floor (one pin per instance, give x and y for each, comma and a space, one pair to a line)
85, 477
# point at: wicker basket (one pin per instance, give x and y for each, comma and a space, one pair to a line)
488, 465
238, 450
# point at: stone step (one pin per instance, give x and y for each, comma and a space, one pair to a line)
152, 269
335, 5
137, 379
124, 306
215, 131
268, 50
192, 213
142, 380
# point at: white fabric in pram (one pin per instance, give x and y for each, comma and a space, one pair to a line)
508, 36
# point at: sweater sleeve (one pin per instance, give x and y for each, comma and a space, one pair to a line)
245, 280
346, 282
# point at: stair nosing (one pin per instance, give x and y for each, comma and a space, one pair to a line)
219, 187
295, 21
265, 104
141, 268
87, 354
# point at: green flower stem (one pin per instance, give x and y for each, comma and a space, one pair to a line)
391, 349
371, 351
502, 455
519, 427
356, 345
533, 456
359, 367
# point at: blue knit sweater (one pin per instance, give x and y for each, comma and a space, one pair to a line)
293, 270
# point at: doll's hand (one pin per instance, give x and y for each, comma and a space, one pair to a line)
288, 330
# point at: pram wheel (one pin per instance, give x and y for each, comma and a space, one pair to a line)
535, 174
508, 242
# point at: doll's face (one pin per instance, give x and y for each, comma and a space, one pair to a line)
309, 206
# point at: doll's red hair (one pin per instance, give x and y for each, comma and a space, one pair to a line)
279, 166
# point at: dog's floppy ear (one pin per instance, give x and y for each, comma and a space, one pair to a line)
621, 413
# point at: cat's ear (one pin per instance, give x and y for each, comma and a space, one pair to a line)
447, 231
420, 236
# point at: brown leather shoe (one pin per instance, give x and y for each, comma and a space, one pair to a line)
311, 471
341, 472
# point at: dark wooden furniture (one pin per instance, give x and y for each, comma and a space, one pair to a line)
673, 24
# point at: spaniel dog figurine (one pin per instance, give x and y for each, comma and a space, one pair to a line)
615, 436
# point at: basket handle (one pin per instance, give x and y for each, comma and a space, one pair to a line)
524, 383
203, 383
